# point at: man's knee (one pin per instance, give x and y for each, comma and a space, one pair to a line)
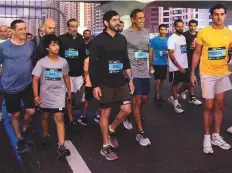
30, 111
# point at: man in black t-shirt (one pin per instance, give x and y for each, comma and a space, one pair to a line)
190, 37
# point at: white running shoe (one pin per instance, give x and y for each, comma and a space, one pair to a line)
184, 95
195, 101
218, 141
207, 146
127, 124
143, 139
178, 109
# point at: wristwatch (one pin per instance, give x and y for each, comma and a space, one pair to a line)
131, 78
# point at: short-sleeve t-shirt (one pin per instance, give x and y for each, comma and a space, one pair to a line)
214, 56
138, 44
178, 44
160, 50
52, 85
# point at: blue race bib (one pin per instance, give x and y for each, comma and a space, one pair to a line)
141, 55
54, 74
115, 66
163, 52
71, 53
87, 52
216, 53
183, 49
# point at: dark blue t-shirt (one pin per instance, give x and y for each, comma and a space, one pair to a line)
160, 50
16, 64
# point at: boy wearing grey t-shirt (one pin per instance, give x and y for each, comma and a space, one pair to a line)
52, 71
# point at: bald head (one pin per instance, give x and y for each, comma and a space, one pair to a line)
49, 26
3, 32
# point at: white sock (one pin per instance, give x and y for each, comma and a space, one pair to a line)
207, 136
175, 102
216, 134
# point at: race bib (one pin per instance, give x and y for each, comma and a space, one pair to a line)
216, 53
71, 53
141, 55
183, 49
115, 66
87, 52
54, 74
163, 52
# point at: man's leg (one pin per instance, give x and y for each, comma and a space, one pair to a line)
59, 120
69, 106
45, 135
104, 124
136, 106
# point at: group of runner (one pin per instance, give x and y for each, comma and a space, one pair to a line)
115, 68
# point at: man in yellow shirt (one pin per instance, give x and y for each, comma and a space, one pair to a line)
212, 53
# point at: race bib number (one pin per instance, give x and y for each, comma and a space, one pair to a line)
87, 52
163, 52
217, 53
183, 49
141, 55
115, 66
54, 74
71, 53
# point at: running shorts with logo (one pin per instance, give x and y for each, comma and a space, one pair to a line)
76, 83
110, 96
13, 100
142, 86
160, 72
177, 77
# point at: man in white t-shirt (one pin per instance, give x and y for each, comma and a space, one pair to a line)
178, 63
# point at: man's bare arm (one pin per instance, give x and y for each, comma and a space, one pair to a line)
173, 59
151, 50
196, 57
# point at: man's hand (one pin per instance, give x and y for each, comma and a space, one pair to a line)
182, 70
151, 69
194, 80
37, 101
97, 93
131, 86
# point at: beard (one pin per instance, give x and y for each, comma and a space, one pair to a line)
86, 38
113, 28
179, 31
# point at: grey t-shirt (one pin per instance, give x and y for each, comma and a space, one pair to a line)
52, 85
138, 44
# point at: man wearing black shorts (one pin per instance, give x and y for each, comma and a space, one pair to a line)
107, 62
158, 55
15, 57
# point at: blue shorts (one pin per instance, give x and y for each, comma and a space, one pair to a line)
142, 86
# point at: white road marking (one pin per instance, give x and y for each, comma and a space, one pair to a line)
75, 160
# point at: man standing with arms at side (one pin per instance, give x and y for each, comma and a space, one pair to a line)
158, 54
15, 57
107, 63
138, 44
72, 48
211, 51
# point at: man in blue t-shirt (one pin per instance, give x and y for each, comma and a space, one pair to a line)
158, 55
15, 57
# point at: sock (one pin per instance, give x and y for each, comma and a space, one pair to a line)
24, 129
111, 130
21, 138
105, 145
191, 97
215, 134
207, 136
175, 102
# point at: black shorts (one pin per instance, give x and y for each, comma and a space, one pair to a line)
160, 72
110, 96
13, 101
52, 110
176, 77
88, 93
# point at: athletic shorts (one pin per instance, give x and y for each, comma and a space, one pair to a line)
13, 101
160, 72
177, 77
142, 86
114, 95
76, 83
212, 85
88, 93
52, 110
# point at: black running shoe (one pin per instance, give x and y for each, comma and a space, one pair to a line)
83, 121
21, 146
62, 152
45, 141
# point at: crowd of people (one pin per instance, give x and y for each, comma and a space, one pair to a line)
50, 72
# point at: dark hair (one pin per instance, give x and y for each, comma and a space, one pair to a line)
121, 22
13, 24
29, 34
217, 6
162, 26
193, 21
134, 12
87, 30
71, 20
108, 15
48, 39
177, 21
